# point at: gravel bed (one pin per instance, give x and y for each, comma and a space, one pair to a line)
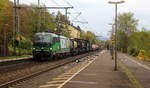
26, 69
41, 79
35, 82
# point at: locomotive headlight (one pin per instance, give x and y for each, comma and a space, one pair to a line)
33, 48
50, 48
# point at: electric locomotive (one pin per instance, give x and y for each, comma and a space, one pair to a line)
49, 45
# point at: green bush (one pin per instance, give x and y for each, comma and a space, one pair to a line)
25, 47
139, 41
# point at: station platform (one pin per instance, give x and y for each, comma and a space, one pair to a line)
15, 59
100, 74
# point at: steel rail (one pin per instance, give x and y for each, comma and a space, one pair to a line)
73, 59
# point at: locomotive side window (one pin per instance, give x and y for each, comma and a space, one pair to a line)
56, 39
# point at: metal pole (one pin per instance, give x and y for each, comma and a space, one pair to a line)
112, 33
18, 27
14, 28
116, 3
116, 37
39, 24
38, 2
18, 18
66, 9
4, 54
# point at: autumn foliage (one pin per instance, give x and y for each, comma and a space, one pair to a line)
31, 20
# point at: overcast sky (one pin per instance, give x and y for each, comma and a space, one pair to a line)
99, 13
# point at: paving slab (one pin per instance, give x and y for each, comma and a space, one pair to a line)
100, 74
139, 69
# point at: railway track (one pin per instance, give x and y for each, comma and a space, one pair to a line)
45, 67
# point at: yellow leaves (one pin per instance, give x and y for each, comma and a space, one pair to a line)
5, 4
113, 36
18, 38
141, 55
6, 16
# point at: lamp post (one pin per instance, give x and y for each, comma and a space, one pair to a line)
116, 3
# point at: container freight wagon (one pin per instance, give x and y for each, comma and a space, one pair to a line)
95, 47
79, 46
82, 46
73, 47
87, 45
49, 45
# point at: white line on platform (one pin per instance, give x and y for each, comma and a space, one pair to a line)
102, 52
49, 85
60, 86
142, 65
83, 82
58, 81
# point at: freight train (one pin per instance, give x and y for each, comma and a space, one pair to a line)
49, 46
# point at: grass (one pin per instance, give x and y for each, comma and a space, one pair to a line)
13, 57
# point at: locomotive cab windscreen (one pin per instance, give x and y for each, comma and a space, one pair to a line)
42, 39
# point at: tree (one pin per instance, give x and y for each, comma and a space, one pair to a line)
62, 18
30, 18
127, 24
139, 41
6, 25
28, 23
89, 36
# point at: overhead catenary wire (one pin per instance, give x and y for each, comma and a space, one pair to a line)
75, 18
67, 2
79, 19
55, 3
